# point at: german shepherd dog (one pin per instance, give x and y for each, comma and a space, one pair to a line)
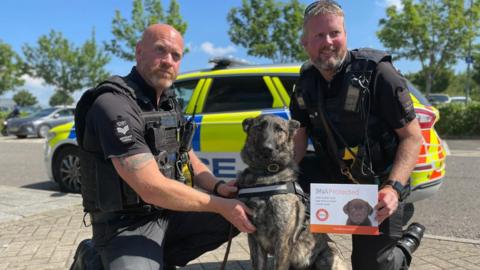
280, 219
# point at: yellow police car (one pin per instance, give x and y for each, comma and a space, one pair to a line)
220, 99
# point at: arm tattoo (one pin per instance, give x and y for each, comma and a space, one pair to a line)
135, 162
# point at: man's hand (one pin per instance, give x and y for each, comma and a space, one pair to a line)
387, 203
236, 213
229, 189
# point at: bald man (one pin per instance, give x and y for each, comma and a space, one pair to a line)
128, 128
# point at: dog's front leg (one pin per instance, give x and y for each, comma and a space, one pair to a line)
281, 258
258, 256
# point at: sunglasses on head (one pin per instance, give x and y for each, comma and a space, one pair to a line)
314, 4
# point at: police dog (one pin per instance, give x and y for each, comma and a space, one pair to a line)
358, 211
282, 226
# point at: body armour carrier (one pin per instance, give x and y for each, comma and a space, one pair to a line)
102, 188
356, 130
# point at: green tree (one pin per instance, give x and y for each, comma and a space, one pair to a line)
144, 13
435, 32
269, 29
10, 68
67, 67
459, 83
443, 79
60, 98
24, 98
476, 65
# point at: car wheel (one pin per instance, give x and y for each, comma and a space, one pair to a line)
66, 168
43, 131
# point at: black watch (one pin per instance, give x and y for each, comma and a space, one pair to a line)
398, 187
215, 188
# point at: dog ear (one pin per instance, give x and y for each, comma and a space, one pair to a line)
345, 208
247, 123
293, 125
370, 209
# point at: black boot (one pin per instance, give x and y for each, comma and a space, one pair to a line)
411, 239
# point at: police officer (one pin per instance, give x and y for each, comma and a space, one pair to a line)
129, 129
357, 110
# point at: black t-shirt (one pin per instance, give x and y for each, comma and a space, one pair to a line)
115, 123
392, 102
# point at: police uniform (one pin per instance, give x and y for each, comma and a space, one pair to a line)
120, 118
364, 103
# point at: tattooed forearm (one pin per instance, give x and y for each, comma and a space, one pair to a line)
135, 162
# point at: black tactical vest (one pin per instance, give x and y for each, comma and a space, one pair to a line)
102, 188
349, 112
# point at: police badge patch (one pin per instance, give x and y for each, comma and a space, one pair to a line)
122, 130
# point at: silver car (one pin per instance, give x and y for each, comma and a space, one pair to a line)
39, 123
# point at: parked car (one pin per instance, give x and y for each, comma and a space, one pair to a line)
437, 99
221, 98
460, 99
39, 123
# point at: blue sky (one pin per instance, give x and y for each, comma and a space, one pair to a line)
24, 21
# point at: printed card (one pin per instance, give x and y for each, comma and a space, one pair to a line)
344, 209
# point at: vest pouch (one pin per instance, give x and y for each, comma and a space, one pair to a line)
109, 186
168, 170
151, 132
166, 161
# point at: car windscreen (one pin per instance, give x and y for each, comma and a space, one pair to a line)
421, 98
439, 98
44, 112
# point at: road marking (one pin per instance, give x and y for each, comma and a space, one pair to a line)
464, 153
26, 140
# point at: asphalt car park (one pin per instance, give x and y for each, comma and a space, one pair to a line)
451, 212
220, 98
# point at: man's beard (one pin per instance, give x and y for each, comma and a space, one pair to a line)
160, 80
332, 64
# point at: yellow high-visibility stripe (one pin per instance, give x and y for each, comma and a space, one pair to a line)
224, 132
281, 89
277, 102
196, 92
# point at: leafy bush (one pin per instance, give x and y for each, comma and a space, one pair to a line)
459, 119
3, 115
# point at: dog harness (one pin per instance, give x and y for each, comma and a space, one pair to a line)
270, 190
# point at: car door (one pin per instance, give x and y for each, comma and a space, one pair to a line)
223, 103
62, 116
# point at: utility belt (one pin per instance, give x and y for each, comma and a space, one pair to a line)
137, 213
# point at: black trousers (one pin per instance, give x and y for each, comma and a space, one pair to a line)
153, 240
368, 251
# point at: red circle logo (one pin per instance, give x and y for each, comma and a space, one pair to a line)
322, 214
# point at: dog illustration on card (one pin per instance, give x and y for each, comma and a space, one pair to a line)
358, 211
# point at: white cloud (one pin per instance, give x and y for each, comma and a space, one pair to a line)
37, 87
387, 3
210, 49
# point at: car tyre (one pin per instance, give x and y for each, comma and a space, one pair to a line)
66, 169
43, 131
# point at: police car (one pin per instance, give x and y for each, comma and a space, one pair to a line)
220, 99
